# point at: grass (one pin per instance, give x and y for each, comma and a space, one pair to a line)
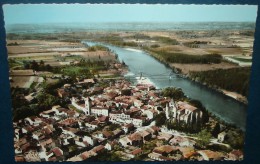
166, 40
71, 107
242, 59
13, 64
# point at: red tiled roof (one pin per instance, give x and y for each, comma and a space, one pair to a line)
135, 137
136, 151
19, 159
85, 155
166, 158
98, 148
185, 105
52, 159
57, 151
237, 153
107, 134
102, 118
165, 148
211, 154
129, 125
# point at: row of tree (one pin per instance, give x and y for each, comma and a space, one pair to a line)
234, 79
37, 66
172, 57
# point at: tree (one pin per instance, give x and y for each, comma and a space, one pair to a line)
175, 93
26, 65
46, 101
126, 92
160, 119
203, 138
235, 139
34, 65
216, 130
116, 56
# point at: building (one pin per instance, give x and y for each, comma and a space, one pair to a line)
182, 111
87, 108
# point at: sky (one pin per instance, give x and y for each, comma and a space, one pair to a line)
83, 13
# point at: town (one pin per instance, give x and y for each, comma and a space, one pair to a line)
117, 122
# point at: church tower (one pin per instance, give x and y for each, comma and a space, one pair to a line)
88, 106
167, 111
173, 108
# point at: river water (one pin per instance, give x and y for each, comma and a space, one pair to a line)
139, 62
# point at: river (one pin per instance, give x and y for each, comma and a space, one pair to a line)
139, 62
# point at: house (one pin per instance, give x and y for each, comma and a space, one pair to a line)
235, 155
98, 149
125, 141
32, 156
137, 152
89, 140
164, 150
187, 152
110, 145
164, 136
221, 136
98, 111
132, 152
107, 134
68, 122
150, 113
182, 142
60, 111
38, 135
128, 127
70, 131
145, 135
56, 153
28, 129
136, 139
153, 130
75, 159
62, 93
48, 129
33, 121
138, 121
103, 119
210, 155
80, 142
155, 156
47, 114
158, 157
19, 158
85, 155
117, 133
87, 108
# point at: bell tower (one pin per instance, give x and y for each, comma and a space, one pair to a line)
88, 106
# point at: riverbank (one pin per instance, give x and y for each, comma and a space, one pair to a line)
185, 74
194, 51
184, 69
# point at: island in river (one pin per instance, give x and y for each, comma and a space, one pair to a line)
66, 70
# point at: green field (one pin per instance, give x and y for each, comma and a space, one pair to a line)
242, 59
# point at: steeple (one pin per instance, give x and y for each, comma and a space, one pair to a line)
88, 106
167, 111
